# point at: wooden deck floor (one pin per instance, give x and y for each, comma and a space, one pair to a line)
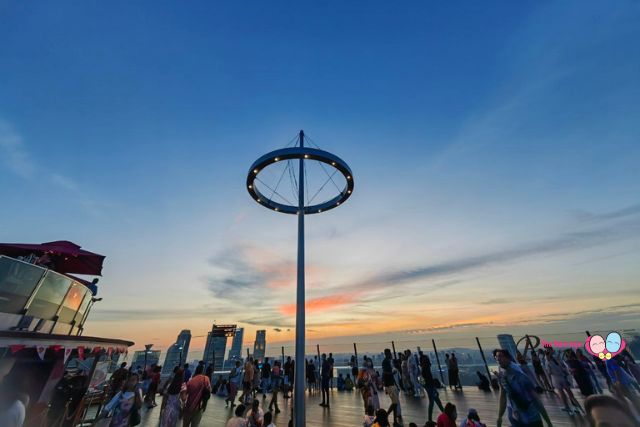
347, 409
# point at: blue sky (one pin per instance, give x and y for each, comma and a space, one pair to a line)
494, 143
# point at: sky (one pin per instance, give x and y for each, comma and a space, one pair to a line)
494, 148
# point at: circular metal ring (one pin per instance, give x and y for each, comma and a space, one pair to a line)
305, 153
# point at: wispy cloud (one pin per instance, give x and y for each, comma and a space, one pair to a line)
570, 241
322, 303
64, 182
256, 275
14, 152
108, 315
423, 331
625, 212
15, 155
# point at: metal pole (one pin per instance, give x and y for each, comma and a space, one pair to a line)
484, 359
435, 349
318, 349
84, 318
73, 322
283, 356
300, 418
393, 346
355, 350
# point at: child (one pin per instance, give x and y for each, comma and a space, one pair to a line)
369, 416
267, 420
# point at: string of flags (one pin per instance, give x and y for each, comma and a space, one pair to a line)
82, 351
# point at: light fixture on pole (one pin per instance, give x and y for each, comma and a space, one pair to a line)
302, 154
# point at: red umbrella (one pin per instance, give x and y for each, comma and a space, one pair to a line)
66, 256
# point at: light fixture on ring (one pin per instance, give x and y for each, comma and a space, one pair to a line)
302, 154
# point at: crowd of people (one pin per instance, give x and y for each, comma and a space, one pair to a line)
521, 379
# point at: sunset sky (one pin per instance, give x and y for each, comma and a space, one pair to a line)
494, 145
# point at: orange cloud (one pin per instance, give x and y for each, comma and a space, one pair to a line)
322, 303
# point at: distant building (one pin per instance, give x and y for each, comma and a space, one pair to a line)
508, 343
260, 345
236, 345
214, 350
178, 352
153, 357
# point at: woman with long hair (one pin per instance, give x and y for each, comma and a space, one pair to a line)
174, 399
560, 378
276, 383
448, 417
235, 379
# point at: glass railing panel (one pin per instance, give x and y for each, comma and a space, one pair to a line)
17, 281
72, 302
83, 309
49, 296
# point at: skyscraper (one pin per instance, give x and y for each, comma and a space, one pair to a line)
153, 357
215, 348
217, 344
260, 346
236, 346
178, 352
508, 343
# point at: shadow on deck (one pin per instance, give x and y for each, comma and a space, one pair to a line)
347, 409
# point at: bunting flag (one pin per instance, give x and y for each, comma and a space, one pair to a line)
80, 352
109, 351
41, 351
56, 348
16, 348
97, 349
67, 353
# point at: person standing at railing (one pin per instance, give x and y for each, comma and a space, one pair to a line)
288, 377
391, 388
311, 375
455, 372
325, 377
414, 371
430, 387
332, 363
406, 378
